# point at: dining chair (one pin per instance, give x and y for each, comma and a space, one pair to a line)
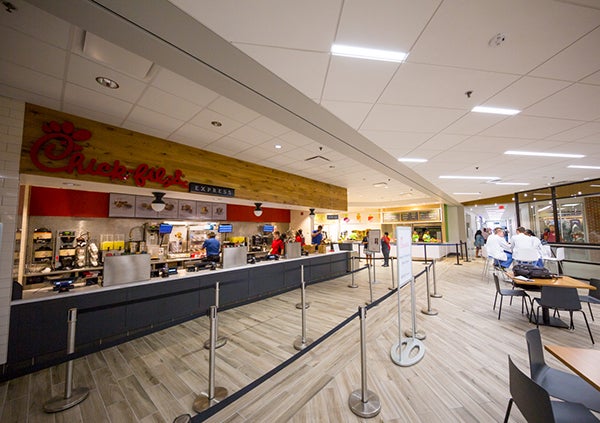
558, 258
593, 296
526, 255
509, 293
534, 401
561, 299
488, 263
559, 384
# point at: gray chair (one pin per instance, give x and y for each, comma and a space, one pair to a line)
509, 293
593, 296
561, 299
559, 384
534, 402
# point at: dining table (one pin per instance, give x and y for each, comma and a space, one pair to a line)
558, 281
582, 361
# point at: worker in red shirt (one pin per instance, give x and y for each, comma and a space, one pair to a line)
277, 245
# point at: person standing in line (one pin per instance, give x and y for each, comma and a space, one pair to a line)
368, 254
485, 233
385, 249
317, 236
479, 242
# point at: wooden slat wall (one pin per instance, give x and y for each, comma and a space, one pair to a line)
250, 181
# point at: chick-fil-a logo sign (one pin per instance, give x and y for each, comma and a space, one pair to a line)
61, 144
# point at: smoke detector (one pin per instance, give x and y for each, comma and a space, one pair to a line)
497, 40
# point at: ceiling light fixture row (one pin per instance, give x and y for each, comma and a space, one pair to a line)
107, 82
368, 53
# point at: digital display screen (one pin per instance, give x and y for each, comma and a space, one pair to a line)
268, 228
165, 228
225, 228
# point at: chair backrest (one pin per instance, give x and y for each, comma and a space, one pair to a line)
497, 282
526, 254
595, 292
533, 400
536, 352
561, 298
560, 253
546, 251
484, 251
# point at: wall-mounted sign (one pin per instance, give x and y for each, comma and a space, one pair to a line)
211, 190
409, 216
333, 217
432, 215
61, 150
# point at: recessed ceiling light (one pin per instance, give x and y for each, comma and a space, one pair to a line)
107, 82
583, 167
468, 177
409, 160
380, 184
511, 183
368, 53
495, 110
466, 193
216, 123
543, 154
278, 146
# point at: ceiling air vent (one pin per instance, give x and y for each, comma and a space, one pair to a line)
317, 159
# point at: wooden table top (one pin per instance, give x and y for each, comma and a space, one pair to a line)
582, 361
560, 282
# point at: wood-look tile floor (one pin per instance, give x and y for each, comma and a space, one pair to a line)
463, 376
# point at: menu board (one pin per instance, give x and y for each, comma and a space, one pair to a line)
219, 211
390, 217
432, 215
170, 211
409, 216
187, 210
143, 207
121, 205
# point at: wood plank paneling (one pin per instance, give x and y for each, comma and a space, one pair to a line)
108, 144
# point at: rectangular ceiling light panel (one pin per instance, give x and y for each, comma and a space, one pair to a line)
544, 154
368, 53
495, 110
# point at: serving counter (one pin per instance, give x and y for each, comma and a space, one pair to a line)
111, 315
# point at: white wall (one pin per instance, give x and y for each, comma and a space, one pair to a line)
456, 224
11, 134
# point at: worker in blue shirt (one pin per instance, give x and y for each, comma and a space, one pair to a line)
212, 247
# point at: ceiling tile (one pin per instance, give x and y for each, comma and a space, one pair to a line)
584, 52
350, 79
182, 87
204, 118
521, 126
229, 146
306, 25
440, 86
473, 123
442, 142
194, 136
525, 92
29, 80
592, 79
264, 124
153, 119
251, 136
232, 109
304, 70
28, 52
352, 113
163, 102
93, 114
31, 97
145, 129
591, 129
79, 96
579, 101
83, 72
398, 140
409, 119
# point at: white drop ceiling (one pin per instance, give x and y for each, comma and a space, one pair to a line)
263, 69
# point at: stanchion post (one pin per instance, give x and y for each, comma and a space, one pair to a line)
435, 293
392, 268
425, 252
302, 284
457, 257
353, 285
408, 351
302, 341
214, 394
370, 284
220, 340
466, 252
429, 311
362, 402
71, 397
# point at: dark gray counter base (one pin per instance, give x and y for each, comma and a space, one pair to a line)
38, 330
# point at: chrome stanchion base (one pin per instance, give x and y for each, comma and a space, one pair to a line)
367, 409
429, 311
420, 335
434, 295
202, 402
299, 345
218, 344
299, 305
61, 403
410, 352
184, 418
352, 286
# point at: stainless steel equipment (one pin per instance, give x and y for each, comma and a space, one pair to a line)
66, 250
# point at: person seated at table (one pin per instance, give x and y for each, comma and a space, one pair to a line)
499, 249
277, 245
537, 245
